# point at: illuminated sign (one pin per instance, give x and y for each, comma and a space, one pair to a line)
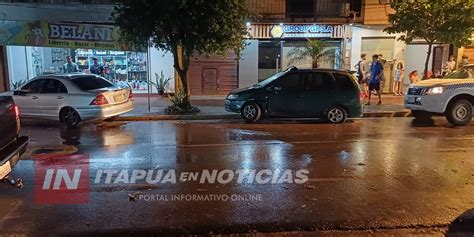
302, 31
63, 35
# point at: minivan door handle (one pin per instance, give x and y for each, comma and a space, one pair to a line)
34, 97
60, 97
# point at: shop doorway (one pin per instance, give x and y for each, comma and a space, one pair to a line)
210, 83
384, 46
269, 62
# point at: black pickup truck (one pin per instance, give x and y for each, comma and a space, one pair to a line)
12, 145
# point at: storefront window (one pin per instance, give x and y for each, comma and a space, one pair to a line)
121, 67
326, 62
268, 59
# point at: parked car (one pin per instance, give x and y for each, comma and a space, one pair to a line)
452, 96
12, 145
72, 98
321, 93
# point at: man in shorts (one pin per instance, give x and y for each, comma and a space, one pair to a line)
376, 73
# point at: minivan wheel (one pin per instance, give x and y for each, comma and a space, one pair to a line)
336, 114
251, 112
459, 113
70, 117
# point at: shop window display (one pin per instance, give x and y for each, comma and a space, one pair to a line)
121, 67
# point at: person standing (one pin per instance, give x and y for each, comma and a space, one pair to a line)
361, 72
70, 66
397, 85
376, 72
465, 61
382, 78
96, 68
449, 66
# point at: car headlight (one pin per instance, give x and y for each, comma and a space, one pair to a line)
435, 90
232, 96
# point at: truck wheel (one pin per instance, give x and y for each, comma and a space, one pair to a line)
70, 117
251, 112
336, 114
459, 113
421, 115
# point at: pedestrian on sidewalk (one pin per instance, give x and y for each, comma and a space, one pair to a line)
361, 73
449, 66
382, 78
464, 62
376, 72
397, 85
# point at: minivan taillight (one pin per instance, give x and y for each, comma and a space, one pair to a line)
130, 96
361, 97
99, 100
17, 111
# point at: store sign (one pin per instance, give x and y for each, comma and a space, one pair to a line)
62, 35
302, 31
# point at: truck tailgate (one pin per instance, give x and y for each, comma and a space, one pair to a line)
9, 125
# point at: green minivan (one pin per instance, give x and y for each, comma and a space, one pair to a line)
333, 95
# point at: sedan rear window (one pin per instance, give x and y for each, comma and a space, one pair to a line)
91, 83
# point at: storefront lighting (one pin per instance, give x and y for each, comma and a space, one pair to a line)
248, 24
281, 24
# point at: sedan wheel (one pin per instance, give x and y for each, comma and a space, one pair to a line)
251, 112
336, 115
70, 117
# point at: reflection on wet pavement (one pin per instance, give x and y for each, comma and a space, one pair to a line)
378, 173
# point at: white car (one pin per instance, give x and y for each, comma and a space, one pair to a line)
452, 96
71, 98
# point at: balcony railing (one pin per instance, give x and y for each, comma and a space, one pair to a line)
105, 2
295, 9
268, 9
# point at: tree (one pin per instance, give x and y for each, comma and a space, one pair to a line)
435, 21
184, 28
314, 51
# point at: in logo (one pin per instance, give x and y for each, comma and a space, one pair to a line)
62, 179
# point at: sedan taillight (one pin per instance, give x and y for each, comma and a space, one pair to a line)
130, 96
99, 100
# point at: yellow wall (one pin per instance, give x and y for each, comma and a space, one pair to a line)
375, 13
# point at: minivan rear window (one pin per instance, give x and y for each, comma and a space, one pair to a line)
88, 83
344, 82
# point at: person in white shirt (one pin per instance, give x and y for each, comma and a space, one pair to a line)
449, 66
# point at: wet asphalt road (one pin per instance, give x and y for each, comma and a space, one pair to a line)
367, 174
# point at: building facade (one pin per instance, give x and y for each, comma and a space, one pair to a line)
350, 27
36, 38
286, 25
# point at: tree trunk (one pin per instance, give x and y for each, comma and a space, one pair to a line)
315, 63
430, 48
181, 65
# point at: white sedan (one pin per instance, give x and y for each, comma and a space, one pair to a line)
71, 98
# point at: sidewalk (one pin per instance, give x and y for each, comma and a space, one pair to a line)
213, 108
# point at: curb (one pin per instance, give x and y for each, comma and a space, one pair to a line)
387, 114
178, 117
384, 114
